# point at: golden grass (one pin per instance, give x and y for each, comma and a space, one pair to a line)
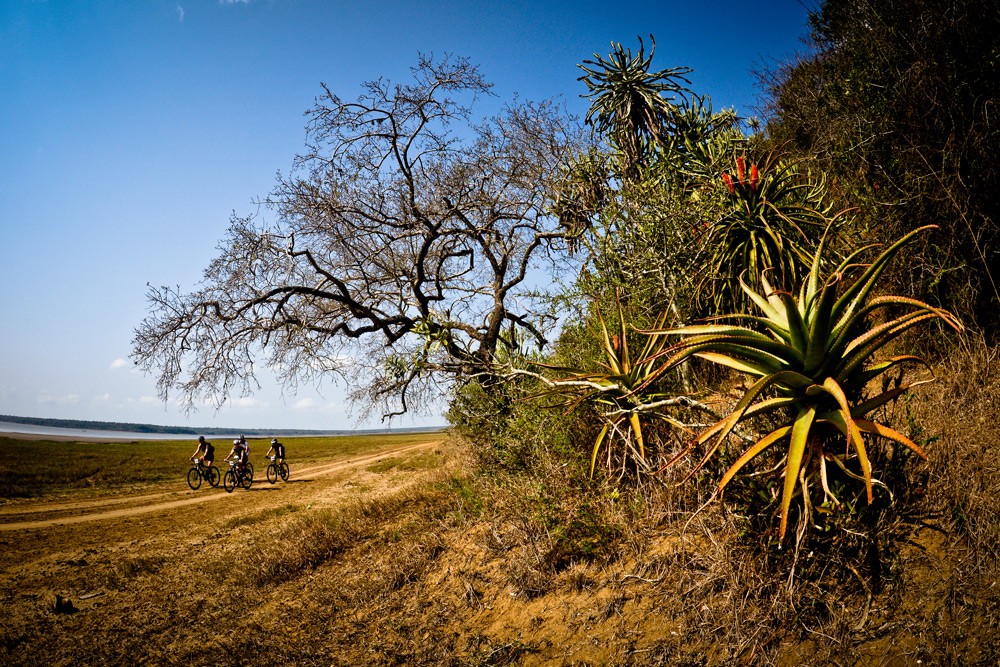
37, 468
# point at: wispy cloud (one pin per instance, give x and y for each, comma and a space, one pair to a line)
119, 363
180, 14
235, 2
247, 402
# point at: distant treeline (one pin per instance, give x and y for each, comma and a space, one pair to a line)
179, 430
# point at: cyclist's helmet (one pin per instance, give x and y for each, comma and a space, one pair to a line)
274, 441
236, 442
201, 438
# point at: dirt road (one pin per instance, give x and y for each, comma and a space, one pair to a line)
15, 517
149, 572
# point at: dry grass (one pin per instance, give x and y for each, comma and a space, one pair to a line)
448, 567
46, 468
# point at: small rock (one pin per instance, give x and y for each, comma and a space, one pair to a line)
65, 605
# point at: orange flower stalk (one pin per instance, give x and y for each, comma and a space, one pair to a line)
728, 180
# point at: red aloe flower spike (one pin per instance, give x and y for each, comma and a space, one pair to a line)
741, 169
754, 177
728, 180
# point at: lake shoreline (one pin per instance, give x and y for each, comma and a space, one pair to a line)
15, 431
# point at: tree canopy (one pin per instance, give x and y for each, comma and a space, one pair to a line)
896, 104
399, 252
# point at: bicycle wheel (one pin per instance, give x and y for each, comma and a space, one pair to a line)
229, 481
194, 479
214, 476
247, 479
249, 469
285, 472
272, 473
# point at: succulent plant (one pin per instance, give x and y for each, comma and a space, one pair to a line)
812, 357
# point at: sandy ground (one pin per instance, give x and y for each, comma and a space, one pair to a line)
117, 556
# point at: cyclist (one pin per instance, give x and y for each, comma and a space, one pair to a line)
241, 450
278, 450
209, 452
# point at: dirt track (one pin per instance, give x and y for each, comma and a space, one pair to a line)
15, 517
149, 570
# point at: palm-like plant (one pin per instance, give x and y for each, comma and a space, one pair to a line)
630, 103
813, 358
702, 143
581, 194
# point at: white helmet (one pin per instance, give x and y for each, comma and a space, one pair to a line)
236, 442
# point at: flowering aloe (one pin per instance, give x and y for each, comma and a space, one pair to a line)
771, 217
813, 358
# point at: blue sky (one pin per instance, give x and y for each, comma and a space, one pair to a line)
130, 131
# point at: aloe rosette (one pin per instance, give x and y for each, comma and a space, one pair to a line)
622, 390
813, 357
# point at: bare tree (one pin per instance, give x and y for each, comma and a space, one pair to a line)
399, 255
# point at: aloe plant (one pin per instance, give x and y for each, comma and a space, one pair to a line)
812, 357
623, 391
630, 102
772, 218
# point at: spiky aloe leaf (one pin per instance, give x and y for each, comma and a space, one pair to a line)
856, 294
796, 449
886, 432
861, 409
597, 446
771, 438
816, 353
637, 430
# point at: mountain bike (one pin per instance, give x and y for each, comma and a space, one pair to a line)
234, 477
199, 471
276, 470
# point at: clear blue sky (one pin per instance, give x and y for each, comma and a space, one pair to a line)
130, 131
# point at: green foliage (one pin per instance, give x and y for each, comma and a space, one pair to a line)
771, 217
895, 102
582, 193
700, 144
812, 359
580, 531
626, 389
510, 434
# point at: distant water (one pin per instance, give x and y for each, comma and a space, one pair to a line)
93, 434
96, 434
